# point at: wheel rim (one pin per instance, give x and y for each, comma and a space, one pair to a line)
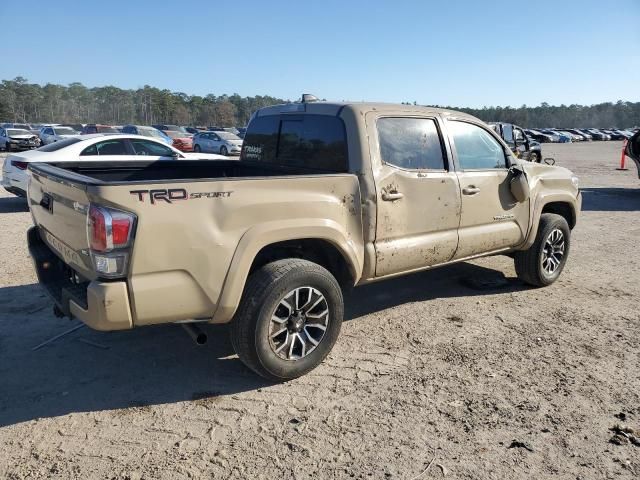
223, 151
299, 323
553, 252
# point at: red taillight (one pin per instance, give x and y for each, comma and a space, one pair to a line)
19, 165
97, 229
109, 229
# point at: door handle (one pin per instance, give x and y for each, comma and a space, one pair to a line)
391, 196
471, 190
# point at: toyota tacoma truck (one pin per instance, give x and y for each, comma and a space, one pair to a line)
325, 197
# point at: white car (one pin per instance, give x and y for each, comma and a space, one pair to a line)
55, 133
224, 143
17, 139
98, 147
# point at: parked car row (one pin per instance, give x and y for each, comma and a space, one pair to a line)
212, 139
567, 135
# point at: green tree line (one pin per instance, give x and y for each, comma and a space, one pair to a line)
21, 101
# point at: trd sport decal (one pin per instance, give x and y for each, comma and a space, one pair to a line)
175, 194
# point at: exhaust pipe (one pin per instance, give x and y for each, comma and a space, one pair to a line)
195, 333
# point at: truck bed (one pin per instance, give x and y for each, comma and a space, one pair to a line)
128, 172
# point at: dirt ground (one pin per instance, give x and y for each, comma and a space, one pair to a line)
472, 379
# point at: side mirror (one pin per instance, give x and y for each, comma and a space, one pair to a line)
632, 150
519, 184
550, 161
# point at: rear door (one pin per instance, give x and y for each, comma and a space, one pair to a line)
418, 197
491, 219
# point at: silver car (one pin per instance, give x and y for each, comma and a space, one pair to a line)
53, 133
224, 143
17, 139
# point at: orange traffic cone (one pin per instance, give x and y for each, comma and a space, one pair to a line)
623, 157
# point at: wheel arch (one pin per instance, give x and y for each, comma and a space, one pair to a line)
562, 204
324, 242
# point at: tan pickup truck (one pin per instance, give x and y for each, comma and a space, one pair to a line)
325, 196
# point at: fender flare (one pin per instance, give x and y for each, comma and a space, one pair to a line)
265, 234
536, 211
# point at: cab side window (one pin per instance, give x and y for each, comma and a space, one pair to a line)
476, 148
410, 143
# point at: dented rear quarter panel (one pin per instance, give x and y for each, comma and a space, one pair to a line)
187, 251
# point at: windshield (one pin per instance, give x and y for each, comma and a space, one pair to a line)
17, 131
107, 130
65, 131
55, 146
228, 136
174, 134
150, 132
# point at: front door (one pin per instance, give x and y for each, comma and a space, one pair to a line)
418, 197
491, 219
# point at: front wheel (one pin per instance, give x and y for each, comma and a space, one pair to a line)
288, 320
7, 147
197, 148
224, 151
543, 262
534, 157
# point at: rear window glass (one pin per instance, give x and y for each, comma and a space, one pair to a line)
410, 143
310, 141
55, 146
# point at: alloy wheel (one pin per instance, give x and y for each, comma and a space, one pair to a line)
298, 323
553, 252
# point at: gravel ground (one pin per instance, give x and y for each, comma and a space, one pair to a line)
432, 371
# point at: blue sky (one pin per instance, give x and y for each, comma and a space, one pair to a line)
454, 52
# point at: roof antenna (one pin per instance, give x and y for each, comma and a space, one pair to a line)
308, 98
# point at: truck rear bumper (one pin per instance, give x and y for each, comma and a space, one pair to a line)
100, 305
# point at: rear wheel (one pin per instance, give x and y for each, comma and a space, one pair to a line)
543, 262
288, 319
224, 151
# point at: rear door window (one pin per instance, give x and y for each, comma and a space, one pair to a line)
410, 143
310, 141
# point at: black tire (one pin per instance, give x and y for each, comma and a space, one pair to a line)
530, 265
224, 151
534, 157
197, 148
264, 292
7, 147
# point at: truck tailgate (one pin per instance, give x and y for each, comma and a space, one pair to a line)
59, 209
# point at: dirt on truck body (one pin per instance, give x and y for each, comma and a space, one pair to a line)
326, 196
